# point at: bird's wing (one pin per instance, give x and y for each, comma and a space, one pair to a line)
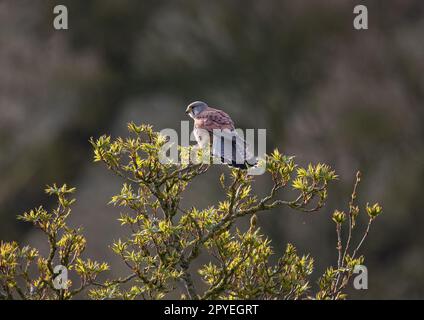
211, 119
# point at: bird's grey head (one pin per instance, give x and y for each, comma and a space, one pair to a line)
194, 108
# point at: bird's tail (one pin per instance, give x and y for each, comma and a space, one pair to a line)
233, 150
244, 166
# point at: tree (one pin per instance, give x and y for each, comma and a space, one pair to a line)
165, 239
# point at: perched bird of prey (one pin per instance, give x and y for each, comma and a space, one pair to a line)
215, 127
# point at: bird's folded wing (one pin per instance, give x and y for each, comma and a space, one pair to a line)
212, 119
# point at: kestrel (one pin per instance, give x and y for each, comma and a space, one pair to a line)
215, 127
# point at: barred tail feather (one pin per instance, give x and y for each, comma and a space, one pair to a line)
233, 150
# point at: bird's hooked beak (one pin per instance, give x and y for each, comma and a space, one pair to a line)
188, 110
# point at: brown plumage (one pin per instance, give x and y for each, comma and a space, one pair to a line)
211, 118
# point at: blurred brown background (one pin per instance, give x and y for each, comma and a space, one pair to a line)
324, 91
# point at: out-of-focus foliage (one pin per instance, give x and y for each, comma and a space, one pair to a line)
164, 239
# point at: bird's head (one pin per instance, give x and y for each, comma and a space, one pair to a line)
194, 108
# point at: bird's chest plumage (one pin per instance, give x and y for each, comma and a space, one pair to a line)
198, 123
203, 137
